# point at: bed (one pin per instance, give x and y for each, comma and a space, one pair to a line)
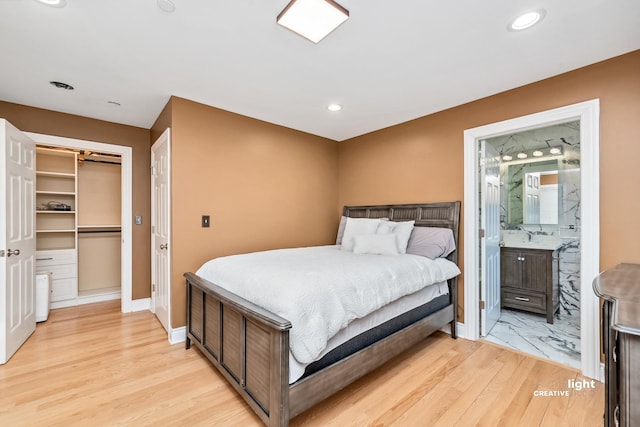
251, 347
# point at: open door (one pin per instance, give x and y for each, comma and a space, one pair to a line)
490, 243
161, 229
17, 239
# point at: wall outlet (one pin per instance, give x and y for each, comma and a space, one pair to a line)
205, 221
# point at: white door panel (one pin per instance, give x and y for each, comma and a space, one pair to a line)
17, 239
490, 223
161, 228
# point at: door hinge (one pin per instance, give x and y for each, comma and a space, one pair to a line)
153, 287
2, 253
481, 233
481, 305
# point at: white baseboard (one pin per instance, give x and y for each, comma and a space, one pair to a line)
141, 304
177, 335
459, 329
87, 299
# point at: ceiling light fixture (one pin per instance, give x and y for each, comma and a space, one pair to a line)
312, 19
522, 155
526, 20
334, 107
53, 3
537, 153
61, 85
555, 150
507, 158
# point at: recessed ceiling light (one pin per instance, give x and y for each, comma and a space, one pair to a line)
526, 20
53, 3
334, 107
522, 155
61, 85
312, 19
507, 158
555, 150
166, 5
537, 153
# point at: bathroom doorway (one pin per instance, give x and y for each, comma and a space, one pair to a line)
584, 117
539, 179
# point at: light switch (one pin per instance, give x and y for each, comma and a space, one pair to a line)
138, 219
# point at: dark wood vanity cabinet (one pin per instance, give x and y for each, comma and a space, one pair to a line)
619, 289
529, 280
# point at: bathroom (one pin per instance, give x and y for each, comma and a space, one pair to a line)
540, 208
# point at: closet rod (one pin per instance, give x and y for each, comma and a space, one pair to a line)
98, 231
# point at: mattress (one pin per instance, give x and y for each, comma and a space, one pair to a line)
356, 328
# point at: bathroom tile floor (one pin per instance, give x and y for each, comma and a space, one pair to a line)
530, 333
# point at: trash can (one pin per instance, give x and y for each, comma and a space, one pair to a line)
43, 292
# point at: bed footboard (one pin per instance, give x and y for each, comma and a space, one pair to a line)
247, 344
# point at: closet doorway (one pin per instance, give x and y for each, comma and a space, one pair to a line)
93, 234
587, 113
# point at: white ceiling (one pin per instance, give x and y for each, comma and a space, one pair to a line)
392, 61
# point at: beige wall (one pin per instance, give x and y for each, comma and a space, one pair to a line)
264, 186
422, 160
37, 120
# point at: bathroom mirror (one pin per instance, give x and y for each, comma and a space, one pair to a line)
532, 192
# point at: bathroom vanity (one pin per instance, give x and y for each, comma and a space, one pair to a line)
529, 278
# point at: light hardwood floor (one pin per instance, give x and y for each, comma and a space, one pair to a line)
93, 366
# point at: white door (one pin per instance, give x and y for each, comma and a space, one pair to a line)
161, 228
17, 239
490, 223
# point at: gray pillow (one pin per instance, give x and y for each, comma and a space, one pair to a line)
431, 242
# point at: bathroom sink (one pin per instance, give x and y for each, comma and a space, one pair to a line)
548, 245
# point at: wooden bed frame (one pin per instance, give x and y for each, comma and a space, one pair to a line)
250, 345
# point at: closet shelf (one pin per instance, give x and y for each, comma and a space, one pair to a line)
56, 231
110, 228
57, 193
58, 174
49, 211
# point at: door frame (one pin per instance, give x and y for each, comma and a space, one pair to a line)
126, 153
588, 113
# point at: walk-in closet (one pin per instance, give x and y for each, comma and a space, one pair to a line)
78, 223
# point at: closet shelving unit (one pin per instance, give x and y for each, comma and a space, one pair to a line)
56, 221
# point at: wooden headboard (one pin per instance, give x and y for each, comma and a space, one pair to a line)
445, 215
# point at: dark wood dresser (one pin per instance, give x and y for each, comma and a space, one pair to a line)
619, 289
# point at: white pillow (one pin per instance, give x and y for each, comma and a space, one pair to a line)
402, 231
355, 227
377, 244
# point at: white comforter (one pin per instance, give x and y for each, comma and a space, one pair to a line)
321, 289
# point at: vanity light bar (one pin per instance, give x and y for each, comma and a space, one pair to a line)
538, 153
